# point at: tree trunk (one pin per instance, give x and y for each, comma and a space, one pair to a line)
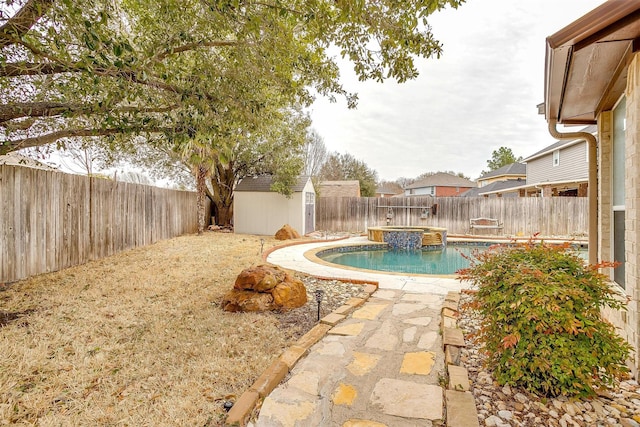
201, 188
222, 183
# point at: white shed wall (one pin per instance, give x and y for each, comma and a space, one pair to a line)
264, 213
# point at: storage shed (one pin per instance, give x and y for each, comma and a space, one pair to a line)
258, 210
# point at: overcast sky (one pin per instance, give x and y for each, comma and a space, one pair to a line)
480, 95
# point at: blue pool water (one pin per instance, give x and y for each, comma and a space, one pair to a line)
445, 261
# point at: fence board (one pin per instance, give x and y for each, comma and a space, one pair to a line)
51, 220
554, 216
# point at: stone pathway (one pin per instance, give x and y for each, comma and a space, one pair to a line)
381, 366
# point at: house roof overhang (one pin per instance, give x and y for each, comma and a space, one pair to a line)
586, 62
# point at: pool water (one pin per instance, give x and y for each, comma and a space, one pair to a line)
445, 261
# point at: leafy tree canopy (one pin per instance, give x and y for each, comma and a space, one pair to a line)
344, 167
78, 68
501, 157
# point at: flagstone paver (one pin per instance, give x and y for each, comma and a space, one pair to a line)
385, 396
381, 366
419, 363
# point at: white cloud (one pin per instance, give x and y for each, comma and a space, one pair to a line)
480, 95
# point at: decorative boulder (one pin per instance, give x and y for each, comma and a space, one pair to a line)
265, 288
262, 278
287, 232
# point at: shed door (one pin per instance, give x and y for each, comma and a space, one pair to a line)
310, 213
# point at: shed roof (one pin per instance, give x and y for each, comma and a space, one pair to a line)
15, 159
262, 184
442, 179
586, 62
515, 168
340, 188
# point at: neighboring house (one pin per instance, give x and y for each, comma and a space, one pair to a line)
511, 172
592, 77
500, 182
388, 189
258, 210
340, 188
507, 188
440, 184
15, 159
561, 169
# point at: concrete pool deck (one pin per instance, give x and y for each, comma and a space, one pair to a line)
293, 258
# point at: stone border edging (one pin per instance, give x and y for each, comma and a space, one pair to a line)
240, 412
266, 253
458, 393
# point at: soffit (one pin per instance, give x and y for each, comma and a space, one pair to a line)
586, 62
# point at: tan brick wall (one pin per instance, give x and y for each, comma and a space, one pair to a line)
629, 322
605, 251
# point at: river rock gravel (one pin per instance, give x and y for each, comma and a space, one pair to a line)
503, 406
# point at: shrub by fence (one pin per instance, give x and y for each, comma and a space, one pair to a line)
52, 220
549, 216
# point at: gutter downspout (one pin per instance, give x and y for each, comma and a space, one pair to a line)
593, 183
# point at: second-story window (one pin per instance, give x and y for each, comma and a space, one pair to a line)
556, 157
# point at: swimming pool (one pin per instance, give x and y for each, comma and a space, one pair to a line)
444, 261
378, 257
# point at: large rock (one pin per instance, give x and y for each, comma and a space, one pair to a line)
265, 288
290, 294
260, 279
236, 300
287, 232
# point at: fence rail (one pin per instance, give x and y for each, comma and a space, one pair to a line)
549, 216
52, 220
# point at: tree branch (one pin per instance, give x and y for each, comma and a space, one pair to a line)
21, 23
195, 45
51, 109
18, 144
35, 69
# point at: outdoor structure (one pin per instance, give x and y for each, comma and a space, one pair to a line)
511, 172
561, 169
440, 184
15, 159
259, 210
340, 188
389, 189
592, 77
500, 182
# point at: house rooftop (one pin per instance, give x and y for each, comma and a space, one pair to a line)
494, 187
515, 168
442, 179
561, 144
340, 188
263, 183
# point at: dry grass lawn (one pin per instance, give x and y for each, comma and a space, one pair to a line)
136, 339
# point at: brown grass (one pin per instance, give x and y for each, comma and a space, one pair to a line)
135, 339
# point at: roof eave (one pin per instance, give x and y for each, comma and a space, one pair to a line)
582, 33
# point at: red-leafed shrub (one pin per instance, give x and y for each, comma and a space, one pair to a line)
542, 328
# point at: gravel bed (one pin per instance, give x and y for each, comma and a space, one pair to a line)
510, 406
334, 294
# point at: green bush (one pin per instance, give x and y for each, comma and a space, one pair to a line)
541, 322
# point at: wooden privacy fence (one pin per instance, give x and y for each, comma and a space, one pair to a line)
52, 220
521, 216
